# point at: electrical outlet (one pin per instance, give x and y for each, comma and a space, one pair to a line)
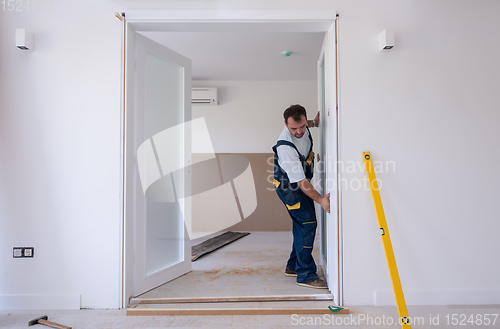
28, 252
18, 252
24, 252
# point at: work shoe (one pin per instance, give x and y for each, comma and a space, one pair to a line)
289, 272
317, 284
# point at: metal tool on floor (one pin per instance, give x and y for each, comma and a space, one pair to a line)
215, 243
43, 320
404, 320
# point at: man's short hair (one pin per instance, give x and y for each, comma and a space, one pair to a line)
295, 111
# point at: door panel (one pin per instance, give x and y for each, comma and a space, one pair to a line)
321, 174
163, 104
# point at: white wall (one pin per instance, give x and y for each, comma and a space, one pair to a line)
430, 105
60, 157
249, 117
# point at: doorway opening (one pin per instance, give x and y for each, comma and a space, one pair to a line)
329, 252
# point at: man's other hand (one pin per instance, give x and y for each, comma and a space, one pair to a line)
316, 120
325, 203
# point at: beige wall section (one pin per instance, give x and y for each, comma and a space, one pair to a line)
270, 214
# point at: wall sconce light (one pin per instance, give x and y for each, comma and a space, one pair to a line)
24, 40
386, 40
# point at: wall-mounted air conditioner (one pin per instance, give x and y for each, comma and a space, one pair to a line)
204, 96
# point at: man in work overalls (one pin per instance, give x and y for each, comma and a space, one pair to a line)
293, 170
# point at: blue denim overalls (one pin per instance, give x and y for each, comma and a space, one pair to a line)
301, 210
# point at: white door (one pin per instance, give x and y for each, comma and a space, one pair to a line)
320, 167
158, 158
329, 224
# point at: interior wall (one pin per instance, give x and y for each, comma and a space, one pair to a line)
429, 105
249, 117
268, 215
428, 111
60, 157
248, 122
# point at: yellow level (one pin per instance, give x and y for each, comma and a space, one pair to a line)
404, 320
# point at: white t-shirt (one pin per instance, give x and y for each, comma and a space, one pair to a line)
288, 159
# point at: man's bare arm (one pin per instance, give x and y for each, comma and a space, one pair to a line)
309, 190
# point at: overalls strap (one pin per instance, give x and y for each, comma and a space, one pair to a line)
280, 176
283, 142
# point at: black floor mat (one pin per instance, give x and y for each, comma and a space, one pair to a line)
215, 243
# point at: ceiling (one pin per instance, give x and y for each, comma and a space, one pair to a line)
246, 55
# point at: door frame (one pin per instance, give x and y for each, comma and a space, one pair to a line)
206, 21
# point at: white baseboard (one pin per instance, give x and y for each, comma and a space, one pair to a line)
40, 302
434, 297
